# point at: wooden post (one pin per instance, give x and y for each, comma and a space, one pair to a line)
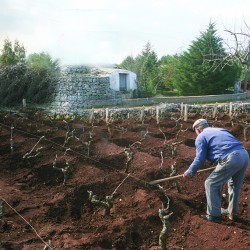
186, 113
91, 117
181, 109
230, 109
24, 103
157, 114
107, 115
214, 111
142, 115
247, 70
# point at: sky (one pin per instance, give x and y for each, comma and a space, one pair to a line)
107, 31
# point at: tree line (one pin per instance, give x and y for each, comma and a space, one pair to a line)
33, 77
207, 67
203, 69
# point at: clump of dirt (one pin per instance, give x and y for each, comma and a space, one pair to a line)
86, 186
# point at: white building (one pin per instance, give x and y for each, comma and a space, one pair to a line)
121, 79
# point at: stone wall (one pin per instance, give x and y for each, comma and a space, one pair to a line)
186, 99
81, 87
163, 110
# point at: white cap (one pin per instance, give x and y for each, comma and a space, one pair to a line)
199, 123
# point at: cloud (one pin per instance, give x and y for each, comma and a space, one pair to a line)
81, 31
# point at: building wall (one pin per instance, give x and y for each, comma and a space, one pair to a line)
115, 79
78, 88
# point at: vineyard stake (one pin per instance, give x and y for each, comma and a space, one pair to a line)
176, 176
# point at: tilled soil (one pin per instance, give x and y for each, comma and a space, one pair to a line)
87, 186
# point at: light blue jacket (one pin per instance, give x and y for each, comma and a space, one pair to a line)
213, 144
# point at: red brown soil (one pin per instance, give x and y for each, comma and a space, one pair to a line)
40, 208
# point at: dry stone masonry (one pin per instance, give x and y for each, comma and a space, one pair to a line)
82, 87
164, 110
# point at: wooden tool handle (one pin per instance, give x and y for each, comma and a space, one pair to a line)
176, 176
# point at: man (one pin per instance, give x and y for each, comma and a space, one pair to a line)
218, 145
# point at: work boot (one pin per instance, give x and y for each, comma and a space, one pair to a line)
224, 211
231, 216
212, 218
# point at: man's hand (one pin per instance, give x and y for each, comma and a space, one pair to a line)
186, 174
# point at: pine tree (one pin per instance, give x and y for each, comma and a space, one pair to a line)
145, 65
147, 70
166, 72
12, 54
128, 63
194, 77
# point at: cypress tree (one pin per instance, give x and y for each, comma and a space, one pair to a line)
196, 76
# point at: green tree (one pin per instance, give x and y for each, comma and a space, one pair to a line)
166, 72
146, 65
13, 84
194, 77
238, 51
128, 63
12, 54
43, 74
43, 61
33, 79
